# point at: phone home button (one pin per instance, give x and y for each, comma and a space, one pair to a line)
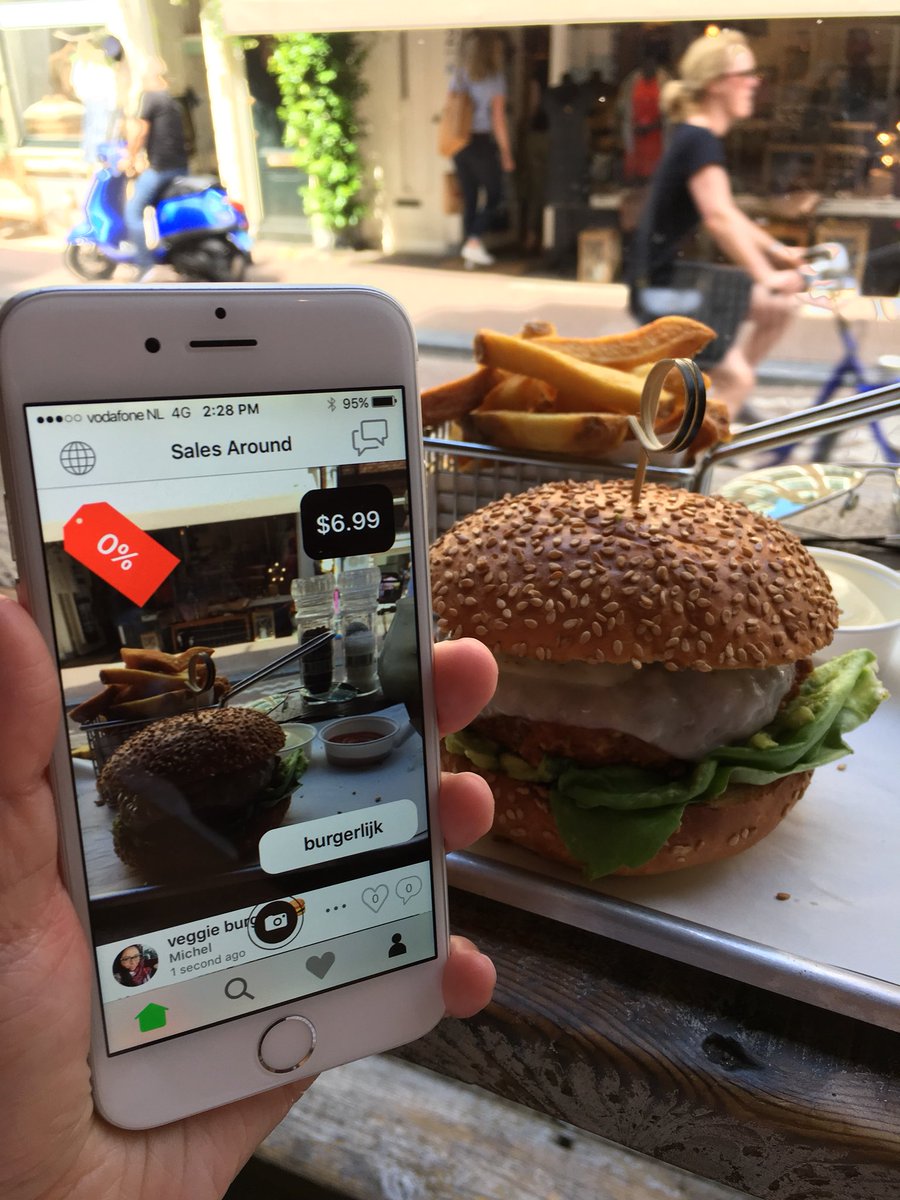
287, 1044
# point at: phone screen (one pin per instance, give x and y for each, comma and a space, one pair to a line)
254, 825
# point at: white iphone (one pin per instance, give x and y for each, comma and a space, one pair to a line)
216, 506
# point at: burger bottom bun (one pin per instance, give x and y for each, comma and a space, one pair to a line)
742, 816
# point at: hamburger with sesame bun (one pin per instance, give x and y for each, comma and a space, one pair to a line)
656, 706
193, 794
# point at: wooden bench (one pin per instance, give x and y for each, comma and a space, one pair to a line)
382, 1129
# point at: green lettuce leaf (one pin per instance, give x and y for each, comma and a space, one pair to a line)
287, 775
617, 815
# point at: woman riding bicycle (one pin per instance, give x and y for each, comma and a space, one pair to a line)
716, 87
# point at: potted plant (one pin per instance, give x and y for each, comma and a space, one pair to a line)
320, 80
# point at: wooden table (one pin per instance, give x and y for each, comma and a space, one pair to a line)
767, 1095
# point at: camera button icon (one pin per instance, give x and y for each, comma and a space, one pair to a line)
275, 923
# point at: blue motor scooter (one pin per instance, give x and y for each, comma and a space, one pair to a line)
194, 227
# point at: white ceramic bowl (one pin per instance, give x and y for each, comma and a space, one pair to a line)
297, 735
868, 595
346, 743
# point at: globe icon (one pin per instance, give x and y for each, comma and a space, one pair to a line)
78, 458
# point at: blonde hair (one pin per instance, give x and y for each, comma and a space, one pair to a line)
705, 60
482, 54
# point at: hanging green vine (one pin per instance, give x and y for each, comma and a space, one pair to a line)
320, 80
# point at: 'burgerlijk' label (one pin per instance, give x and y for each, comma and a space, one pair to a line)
310, 842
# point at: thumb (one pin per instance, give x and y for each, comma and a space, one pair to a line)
44, 966
29, 715
29, 701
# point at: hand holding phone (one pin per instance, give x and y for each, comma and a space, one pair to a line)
45, 963
204, 484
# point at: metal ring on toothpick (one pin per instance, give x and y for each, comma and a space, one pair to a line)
193, 682
692, 418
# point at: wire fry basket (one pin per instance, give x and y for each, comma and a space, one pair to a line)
462, 476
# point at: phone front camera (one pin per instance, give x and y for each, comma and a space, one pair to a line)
152, 345
221, 314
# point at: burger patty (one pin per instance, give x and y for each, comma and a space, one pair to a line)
165, 848
531, 740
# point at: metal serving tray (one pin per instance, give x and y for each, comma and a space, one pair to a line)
835, 942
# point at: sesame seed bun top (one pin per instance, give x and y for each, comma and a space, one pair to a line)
192, 746
574, 572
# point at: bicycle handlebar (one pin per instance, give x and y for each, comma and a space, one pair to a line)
827, 261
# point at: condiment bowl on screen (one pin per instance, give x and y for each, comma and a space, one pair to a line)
359, 741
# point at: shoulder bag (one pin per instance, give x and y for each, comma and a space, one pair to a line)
455, 128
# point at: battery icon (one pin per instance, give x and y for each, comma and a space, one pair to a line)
383, 401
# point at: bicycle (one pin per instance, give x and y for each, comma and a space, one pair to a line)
828, 267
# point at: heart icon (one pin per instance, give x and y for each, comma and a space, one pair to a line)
320, 966
375, 897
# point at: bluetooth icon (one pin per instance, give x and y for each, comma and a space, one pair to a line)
331, 404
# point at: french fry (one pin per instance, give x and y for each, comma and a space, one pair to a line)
519, 393
161, 660
149, 683
167, 704
591, 387
582, 435
667, 337
452, 401
95, 706
715, 427
538, 329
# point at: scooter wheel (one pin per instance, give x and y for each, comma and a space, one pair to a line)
212, 261
88, 261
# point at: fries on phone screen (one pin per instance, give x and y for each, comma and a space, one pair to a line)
150, 684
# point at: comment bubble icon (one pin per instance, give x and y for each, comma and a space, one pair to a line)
370, 435
408, 887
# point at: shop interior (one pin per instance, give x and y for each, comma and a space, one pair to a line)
237, 584
819, 160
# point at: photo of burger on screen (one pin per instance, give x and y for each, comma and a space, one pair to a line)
657, 707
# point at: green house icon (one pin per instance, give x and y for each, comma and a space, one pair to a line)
152, 1017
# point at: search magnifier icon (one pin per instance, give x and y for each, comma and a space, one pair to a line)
236, 988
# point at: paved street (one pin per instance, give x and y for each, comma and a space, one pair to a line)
447, 305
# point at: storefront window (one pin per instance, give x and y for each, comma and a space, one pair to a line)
54, 75
818, 159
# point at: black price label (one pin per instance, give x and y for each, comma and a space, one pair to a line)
339, 522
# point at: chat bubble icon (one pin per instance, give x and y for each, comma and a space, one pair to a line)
408, 887
369, 435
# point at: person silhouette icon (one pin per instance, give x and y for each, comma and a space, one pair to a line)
397, 946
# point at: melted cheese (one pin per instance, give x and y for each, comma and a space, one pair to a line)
684, 713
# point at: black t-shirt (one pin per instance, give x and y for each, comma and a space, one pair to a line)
670, 213
165, 142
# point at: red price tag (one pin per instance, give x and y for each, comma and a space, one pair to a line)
118, 551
